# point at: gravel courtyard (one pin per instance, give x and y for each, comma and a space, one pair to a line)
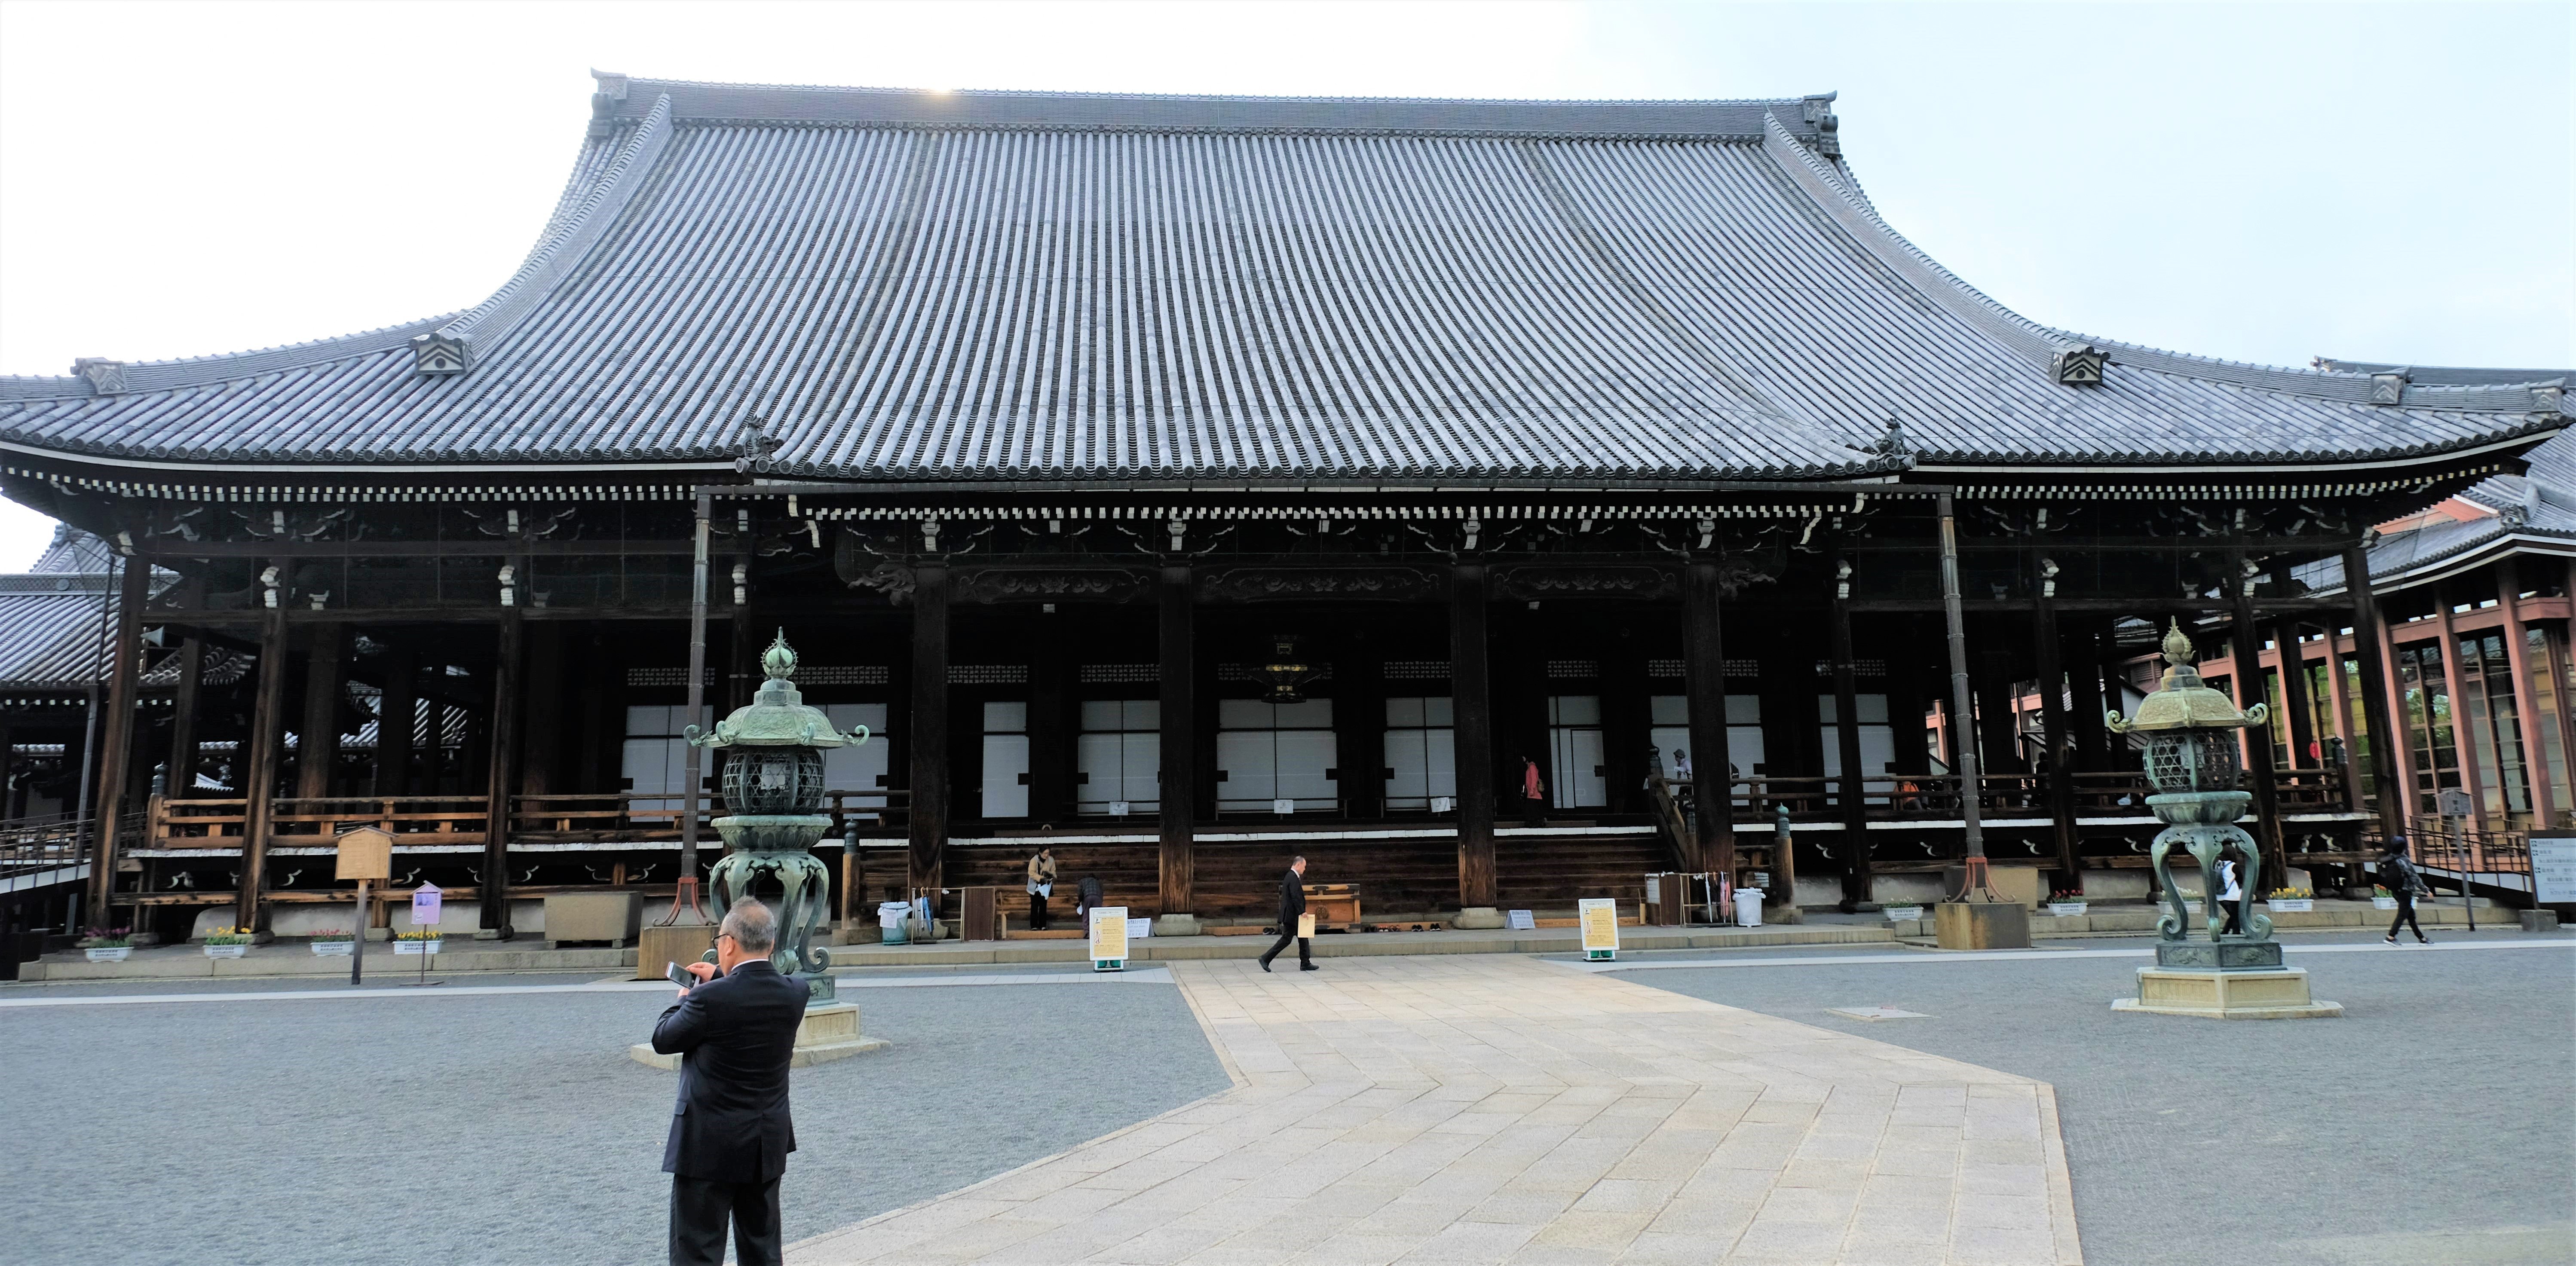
512, 1128
2434, 1122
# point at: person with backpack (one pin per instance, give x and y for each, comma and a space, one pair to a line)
2397, 874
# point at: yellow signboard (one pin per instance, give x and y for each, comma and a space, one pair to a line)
365, 853
1600, 917
1109, 938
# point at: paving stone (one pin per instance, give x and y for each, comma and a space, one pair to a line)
1503, 1109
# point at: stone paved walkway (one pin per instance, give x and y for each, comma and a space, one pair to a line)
1502, 1109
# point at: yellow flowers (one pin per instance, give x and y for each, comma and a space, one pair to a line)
227, 936
417, 934
2291, 894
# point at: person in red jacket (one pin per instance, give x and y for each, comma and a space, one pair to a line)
1533, 792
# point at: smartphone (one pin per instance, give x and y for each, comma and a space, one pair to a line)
679, 977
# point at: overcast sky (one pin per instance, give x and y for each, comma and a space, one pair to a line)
2260, 183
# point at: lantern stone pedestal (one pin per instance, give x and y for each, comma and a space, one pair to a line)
829, 1032
1981, 925
2217, 994
656, 948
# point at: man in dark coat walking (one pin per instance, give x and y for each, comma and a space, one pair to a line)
730, 1133
1292, 906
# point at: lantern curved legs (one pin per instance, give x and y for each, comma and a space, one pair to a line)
805, 892
2205, 843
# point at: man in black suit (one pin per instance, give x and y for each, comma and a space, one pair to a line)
730, 1134
1292, 903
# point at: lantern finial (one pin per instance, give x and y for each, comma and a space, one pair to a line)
2177, 646
779, 661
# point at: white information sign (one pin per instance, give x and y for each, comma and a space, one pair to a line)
1520, 921
2553, 869
424, 906
1109, 938
1600, 919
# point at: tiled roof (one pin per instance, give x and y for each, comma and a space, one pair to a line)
908, 285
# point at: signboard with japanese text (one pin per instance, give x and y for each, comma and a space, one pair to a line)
1109, 938
424, 906
1600, 918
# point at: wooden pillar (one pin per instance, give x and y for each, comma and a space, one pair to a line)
543, 709
2245, 642
502, 775
2526, 703
1176, 637
1472, 709
929, 717
182, 780
2339, 697
2052, 730
603, 728
1704, 678
1359, 723
1997, 723
1627, 720
2295, 698
317, 751
1849, 796
1054, 722
116, 738
397, 719
2083, 662
259, 765
2370, 643
2465, 738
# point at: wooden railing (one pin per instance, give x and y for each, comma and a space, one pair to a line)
602, 817
1934, 797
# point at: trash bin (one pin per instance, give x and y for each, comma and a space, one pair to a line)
890, 916
1748, 907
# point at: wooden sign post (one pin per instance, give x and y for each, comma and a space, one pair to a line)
366, 853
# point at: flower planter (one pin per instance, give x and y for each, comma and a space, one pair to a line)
226, 951
333, 949
416, 947
2066, 909
109, 953
1904, 914
2292, 905
2383, 903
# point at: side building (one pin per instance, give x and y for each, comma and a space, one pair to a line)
1187, 481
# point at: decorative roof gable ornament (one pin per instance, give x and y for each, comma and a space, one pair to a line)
757, 448
2388, 388
2550, 398
603, 103
1895, 442
2080, 366
435, 355
1819, 113
106, 377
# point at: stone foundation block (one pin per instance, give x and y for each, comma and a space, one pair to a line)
2227, 995
2539, 920
1478, 919
1979, 925
829, 1032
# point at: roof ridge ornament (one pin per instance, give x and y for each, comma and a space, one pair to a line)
436, 355
1818, 113
2389, 386
2080, 366
106, 377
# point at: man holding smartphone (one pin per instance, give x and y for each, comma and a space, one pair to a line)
734, 1028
